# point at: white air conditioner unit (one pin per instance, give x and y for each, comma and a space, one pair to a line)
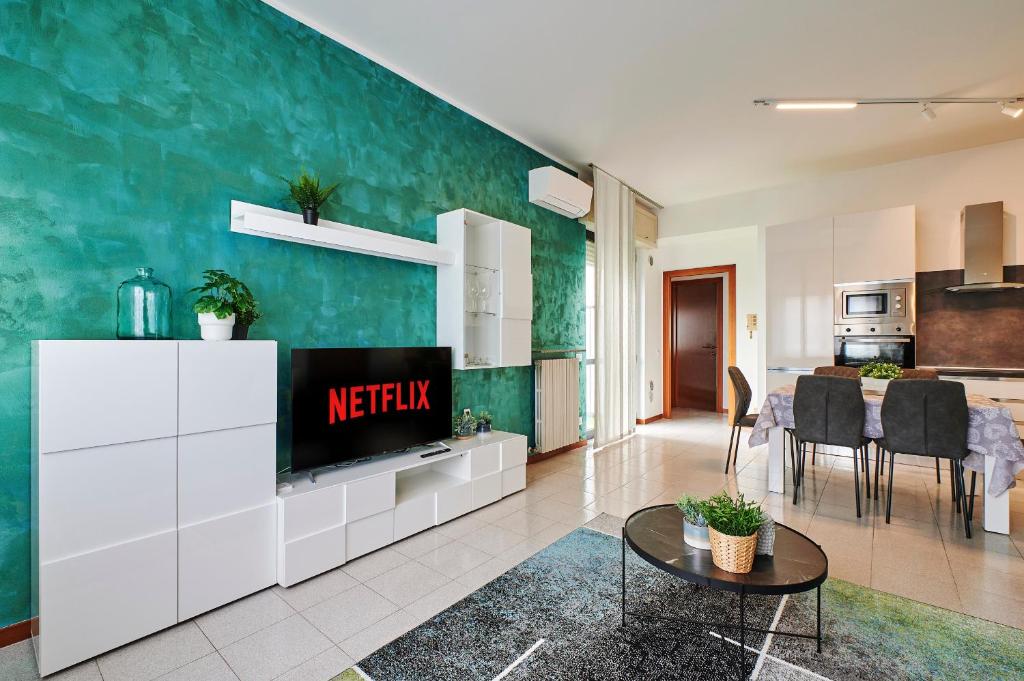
559, 191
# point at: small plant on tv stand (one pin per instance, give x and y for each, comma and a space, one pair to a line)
483, 424
464, 425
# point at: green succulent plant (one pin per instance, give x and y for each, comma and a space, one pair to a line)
692, 509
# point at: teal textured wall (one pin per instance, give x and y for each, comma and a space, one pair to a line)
127, 127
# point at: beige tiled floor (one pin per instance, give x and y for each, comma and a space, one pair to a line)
314, 630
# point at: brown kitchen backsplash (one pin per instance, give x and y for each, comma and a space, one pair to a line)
969, 329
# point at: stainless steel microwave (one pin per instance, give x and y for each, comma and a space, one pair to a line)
882, 308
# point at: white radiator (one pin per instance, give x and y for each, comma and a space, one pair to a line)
557, 412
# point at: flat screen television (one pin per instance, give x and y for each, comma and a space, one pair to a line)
350, 403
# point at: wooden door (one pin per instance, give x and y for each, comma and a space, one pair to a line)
697, 343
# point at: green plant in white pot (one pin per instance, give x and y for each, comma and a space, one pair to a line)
877, 374
695, 527
214, 309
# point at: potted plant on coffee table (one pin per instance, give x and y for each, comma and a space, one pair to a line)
732, 530
695, 528
308, 195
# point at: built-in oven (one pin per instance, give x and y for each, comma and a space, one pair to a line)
855, 351
883, 308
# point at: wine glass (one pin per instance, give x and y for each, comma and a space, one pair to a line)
474, 291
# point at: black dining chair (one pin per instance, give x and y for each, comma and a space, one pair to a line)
740, 418
925, 374
842, 372
928, 418
829, 410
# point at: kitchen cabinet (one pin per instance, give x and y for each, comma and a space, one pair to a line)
798, 288
875, 246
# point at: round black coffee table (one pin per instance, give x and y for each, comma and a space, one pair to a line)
656, 535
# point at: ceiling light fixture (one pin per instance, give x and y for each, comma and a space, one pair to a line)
815, 105
1012, 110
1010, 106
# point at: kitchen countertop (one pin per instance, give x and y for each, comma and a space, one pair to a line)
978, 372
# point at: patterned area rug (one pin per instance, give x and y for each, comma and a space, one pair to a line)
557, 616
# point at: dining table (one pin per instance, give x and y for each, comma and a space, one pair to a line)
992, 439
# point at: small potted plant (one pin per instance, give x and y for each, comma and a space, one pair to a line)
226, 307
695, 528
483, 424
464, 425
308, 195
732, 531
766, 535
247, 310
876, 374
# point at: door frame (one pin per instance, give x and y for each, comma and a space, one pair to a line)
668, 374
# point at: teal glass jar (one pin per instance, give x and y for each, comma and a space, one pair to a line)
143, 307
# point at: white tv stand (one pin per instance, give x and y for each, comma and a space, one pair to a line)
350, 511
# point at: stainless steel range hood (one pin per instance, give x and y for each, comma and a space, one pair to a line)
983, 249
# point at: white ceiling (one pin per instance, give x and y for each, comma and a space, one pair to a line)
659, 92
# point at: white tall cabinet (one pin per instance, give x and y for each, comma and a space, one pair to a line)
798, 292
153, 475
484, 299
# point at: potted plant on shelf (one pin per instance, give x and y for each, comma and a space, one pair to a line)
308, 195
732, 531
877, 374
695, 527
464, 425
483, 424
226, 307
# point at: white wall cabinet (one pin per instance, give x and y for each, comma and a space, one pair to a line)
799, 294
153, 478
876, 245
484, 299
351, 511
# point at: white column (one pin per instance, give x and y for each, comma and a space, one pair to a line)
997, 508
776, 460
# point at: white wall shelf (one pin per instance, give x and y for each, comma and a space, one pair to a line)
270, 223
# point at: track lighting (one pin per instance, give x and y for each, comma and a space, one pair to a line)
1010, 106
811, 105
1012, 110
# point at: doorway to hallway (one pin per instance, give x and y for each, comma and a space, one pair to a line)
699, 328
696, 343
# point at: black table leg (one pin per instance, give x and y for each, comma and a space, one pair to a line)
743, 638
623, 576
819, 618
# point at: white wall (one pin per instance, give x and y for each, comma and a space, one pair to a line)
742, 247
938, 185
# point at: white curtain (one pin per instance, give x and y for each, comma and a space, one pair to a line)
615, 342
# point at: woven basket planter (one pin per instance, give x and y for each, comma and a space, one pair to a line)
732, 554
